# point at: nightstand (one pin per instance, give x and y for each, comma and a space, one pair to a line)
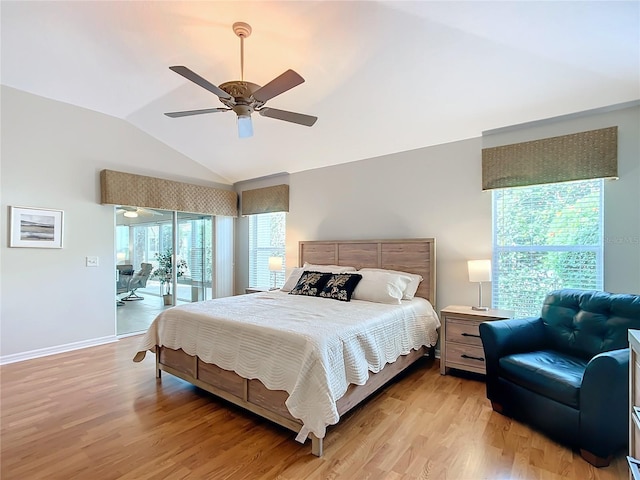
460, 344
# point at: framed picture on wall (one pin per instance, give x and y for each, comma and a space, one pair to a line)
35, 227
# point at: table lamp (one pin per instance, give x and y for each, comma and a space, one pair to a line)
275, 265
479, 271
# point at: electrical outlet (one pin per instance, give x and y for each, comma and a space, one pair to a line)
91, 261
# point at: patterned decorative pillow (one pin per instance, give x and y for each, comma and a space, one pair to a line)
310, 284
340, 286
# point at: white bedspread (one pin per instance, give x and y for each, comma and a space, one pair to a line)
311, 347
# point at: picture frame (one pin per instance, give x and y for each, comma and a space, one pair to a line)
35, 227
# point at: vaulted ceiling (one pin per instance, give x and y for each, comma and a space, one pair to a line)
381, 76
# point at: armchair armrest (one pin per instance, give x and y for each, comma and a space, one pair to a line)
604, 402
504, 337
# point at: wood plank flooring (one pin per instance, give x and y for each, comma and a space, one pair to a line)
94, 414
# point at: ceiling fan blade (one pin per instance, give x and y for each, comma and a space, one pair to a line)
292, 117
186, 113
278, 85
198, 80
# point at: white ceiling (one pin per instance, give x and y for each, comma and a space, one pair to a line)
381, 76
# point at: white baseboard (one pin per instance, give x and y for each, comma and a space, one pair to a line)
43, 352
132, 334
94, 342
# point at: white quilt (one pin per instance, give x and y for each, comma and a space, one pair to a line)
311, 347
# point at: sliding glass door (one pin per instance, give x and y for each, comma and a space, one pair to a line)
195, 248
152, 237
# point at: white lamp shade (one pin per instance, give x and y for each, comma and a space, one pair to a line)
275, 264
245, 127
479, 270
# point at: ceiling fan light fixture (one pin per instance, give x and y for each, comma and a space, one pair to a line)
129, 214
244, 98
245, 126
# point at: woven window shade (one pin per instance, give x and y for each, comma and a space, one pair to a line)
265, 200
118, 188
579, 156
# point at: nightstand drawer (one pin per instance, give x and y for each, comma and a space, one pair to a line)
465, 355
463, 331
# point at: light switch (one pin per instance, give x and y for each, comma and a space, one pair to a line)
92, 261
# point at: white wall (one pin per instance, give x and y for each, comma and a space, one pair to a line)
52, 154
436, 192
430, 192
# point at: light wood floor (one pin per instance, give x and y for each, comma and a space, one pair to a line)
94, 414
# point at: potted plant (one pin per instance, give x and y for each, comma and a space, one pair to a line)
164, 272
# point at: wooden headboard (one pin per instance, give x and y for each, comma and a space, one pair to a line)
407, 255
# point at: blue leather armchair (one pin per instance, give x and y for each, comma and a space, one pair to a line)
566, 373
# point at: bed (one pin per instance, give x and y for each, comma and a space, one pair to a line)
299, 373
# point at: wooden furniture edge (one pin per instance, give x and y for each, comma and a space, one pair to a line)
355, 395
331, 254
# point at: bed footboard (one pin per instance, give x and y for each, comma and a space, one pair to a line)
252, 395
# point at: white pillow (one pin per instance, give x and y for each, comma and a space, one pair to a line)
411, 289
380, 287
291, 282
328, 268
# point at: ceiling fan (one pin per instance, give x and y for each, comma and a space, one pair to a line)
244, 98
134, 212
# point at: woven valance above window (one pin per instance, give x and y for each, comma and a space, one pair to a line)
118, 188
579, 156
265, 200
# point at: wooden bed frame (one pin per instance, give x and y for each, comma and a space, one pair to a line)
407, 255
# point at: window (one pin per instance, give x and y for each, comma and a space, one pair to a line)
546, 237
266, 239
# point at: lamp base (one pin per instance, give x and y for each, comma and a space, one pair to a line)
481, 309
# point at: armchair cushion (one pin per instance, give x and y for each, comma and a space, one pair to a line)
140, 277
548, 373
584, 323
